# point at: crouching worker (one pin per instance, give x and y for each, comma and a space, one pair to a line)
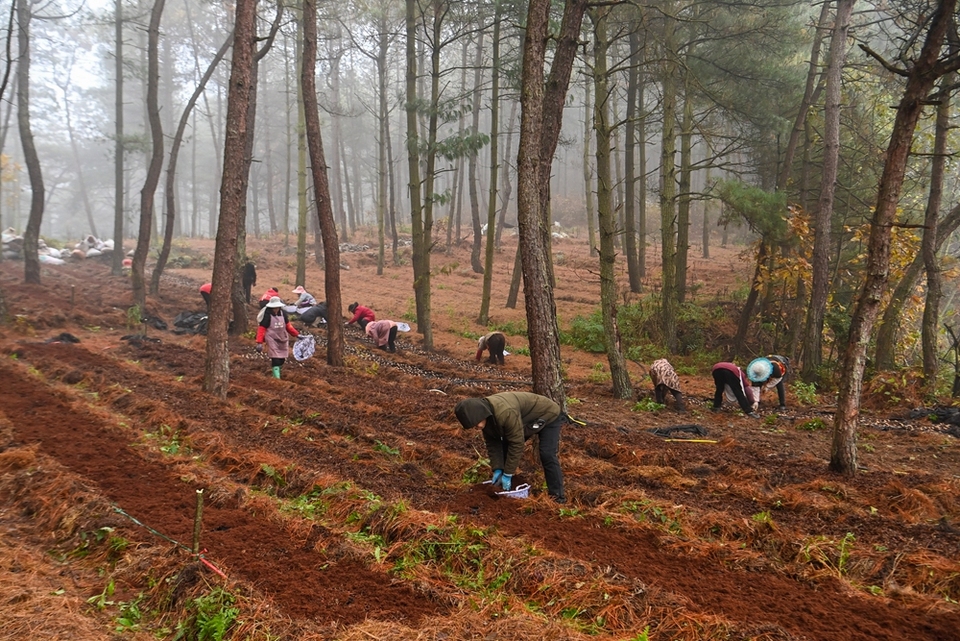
495, 342
274, 330
384, 332
665, 380
507, 420
205, 290
731, 382
767, 373
315, 316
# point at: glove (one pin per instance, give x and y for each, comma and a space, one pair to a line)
755, 406
505, 482
496, 476
259, 348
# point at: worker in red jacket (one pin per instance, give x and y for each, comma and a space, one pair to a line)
205, 292
361, 315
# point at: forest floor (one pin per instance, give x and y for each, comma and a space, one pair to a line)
346, 503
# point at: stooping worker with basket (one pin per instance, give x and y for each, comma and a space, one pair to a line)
507, 420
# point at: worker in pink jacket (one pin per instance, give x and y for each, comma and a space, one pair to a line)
384, 332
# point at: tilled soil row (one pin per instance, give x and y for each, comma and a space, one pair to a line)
303, 582
629, 553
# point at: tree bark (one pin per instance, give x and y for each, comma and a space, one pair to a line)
31, 235
884, 359
318, 166
928, 246
484, 316
472, 175
630, 171
116, 262
541, 116
668, 189
232, 196
813, 340
138, 270
606, 215
921, 76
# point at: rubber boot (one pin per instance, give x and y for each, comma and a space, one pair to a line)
276, 371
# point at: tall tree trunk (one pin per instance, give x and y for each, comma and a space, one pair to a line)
884, 358
540, 120
668, 188
149, 190
605, 212
31, 235
484, 316
116, 262
473, 178
232, 196
413, 153
301, 166
928, 246
506, 187
383, 42
169, 201
813, 333
318, 165
921, 76
642, 178
630, 149
683, 202
588, 165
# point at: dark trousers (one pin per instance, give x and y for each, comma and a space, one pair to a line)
206, 299
724, 377
496, 344
660, 393
549, 439
391, 345
277, 362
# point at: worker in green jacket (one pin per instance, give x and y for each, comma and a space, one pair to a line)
507, 420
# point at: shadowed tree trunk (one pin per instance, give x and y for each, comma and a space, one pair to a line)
138, 270
606, 216
928, 247
232, 195
924, 71
813, 332
630, 171
31, 235
321, 187
668, 190
484, 316
540, 120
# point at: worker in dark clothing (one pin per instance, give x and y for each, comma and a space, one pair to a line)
249, 279
732, 382
507, 420
495, 342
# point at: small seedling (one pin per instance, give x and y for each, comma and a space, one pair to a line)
647, 405
812, 425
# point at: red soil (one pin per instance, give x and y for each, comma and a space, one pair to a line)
86, 406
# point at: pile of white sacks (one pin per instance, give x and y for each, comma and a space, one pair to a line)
89, 247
